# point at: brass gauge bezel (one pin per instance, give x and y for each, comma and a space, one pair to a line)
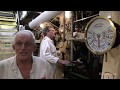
109, 23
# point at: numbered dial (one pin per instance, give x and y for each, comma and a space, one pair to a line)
100, 35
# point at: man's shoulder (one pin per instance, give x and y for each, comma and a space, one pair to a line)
7, 59
39, 59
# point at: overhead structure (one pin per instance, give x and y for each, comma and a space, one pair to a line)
43, 17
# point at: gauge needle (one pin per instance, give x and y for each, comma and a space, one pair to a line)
98, 36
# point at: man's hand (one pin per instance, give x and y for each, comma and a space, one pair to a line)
63, 61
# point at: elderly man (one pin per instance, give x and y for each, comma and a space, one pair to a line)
49, 53
23, 65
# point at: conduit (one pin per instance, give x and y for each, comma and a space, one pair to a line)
43, 17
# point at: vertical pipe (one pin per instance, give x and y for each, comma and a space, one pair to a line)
76, 15
18, 20
82, 15
64, 26
72, 35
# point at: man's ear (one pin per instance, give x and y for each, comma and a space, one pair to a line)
35, 47
13, 46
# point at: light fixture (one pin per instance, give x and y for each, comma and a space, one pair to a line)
61, 30
42, 25
67, 14
109, 16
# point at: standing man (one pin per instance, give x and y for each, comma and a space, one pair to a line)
49, 53
23, 65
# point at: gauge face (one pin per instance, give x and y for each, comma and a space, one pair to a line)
100, 35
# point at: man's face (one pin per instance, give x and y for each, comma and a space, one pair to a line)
52, 33
24, 46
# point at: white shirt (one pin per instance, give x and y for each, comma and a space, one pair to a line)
10, 70
49, 53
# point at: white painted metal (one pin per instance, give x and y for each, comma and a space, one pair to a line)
43, 17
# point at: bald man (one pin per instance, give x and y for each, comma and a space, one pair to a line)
23, 65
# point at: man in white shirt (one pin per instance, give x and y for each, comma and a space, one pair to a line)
49, 53
23, 65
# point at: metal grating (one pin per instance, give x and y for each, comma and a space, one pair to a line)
7, 14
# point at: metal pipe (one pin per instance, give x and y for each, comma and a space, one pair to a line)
86, 18
64, 26
18, 20
52, 24
43, 17
72, 35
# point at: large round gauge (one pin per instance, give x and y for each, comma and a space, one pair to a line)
100, 35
